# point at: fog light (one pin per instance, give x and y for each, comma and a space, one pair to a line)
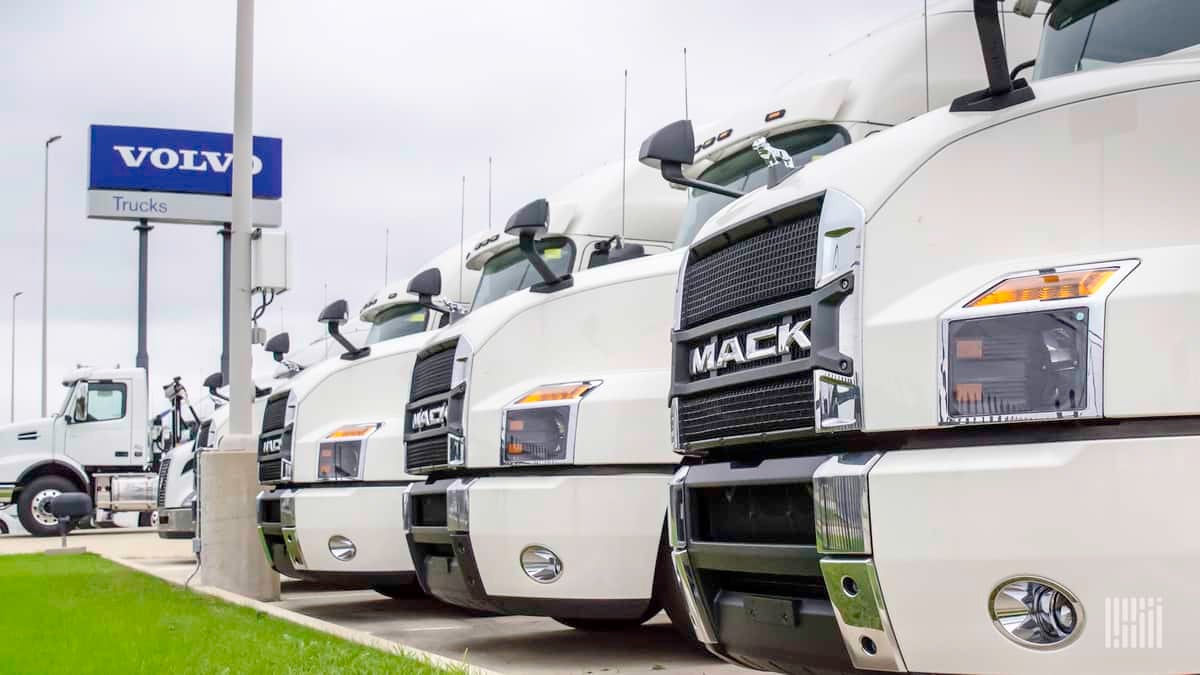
342, 548
541, 564
1036, 613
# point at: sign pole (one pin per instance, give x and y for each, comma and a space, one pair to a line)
143, 229
230, 553
226, 232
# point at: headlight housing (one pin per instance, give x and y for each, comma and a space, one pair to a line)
539, 427
341, 454
1028, 347
456, 418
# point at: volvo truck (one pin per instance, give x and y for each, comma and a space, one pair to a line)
977, 452
101, 441
547, 479
331, 445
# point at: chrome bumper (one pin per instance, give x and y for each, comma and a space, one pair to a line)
176, 521
6, 493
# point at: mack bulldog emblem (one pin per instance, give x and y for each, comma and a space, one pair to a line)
760, 344
429, 418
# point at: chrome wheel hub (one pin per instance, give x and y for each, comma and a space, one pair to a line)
38, 507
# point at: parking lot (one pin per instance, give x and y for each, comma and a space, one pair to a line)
508, 644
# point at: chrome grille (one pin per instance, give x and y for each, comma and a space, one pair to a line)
772, 264
431, 373
270, 471
163, 468
426, 453
275, 412
757, 408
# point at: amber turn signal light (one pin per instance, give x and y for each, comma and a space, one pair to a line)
1056, 286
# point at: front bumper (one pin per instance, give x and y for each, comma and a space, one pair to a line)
1113, 521
296, 542
746, 557
177, 523
6, 493
605, 529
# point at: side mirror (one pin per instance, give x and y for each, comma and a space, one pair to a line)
214, 382
277, 346
426, 286
527, 223
672, 144
337, 312
669, 148
532, 219
626, 252
333, 316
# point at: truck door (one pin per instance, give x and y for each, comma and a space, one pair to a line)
99, 425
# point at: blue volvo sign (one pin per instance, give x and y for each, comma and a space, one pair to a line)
174, 160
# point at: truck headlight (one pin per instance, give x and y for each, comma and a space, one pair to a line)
456, 406
340, 454
1029, 347
539, 427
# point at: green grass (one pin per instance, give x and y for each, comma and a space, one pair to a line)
84, 614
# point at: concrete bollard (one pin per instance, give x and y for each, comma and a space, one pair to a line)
231, 555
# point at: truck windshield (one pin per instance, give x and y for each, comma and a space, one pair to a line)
510, 272
1088, 34
745, 171
397, 321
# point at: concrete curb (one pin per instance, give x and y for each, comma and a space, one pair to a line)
349, 634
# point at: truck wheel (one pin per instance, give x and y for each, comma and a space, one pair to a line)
604, 625
668, 593
400, 591
31, 507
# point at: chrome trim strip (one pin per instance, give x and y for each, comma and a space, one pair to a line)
841, 504
262, 539
458, 505
291, 542
1095, 358
853, 587
698, 612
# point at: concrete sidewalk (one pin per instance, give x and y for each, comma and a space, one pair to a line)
513, 644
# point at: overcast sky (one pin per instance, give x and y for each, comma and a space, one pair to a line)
382, 107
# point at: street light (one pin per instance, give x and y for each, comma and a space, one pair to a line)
12, 387
45, 259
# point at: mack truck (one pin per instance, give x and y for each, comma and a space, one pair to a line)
331, 445
547, 483
969, 462
101, 441
178, 478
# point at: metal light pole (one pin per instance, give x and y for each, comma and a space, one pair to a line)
12, 387
45, 258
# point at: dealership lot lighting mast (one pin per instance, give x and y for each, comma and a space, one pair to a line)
45, 259
230, 557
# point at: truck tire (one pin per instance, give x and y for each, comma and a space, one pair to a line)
400, 591
31, 505
668, 593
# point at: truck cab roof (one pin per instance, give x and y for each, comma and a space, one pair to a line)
93, 373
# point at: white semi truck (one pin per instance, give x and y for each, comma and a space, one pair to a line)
332, 440
101, 441
981, 456
178, 487
547, 488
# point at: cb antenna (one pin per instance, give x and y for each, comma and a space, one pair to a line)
624, 145
685, 88
489, 197
387, 240
462, 227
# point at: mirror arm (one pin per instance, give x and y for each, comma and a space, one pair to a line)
551, 281
672, 172
352, 352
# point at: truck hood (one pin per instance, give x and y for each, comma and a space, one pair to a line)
312, 377
27, 430
872, 170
